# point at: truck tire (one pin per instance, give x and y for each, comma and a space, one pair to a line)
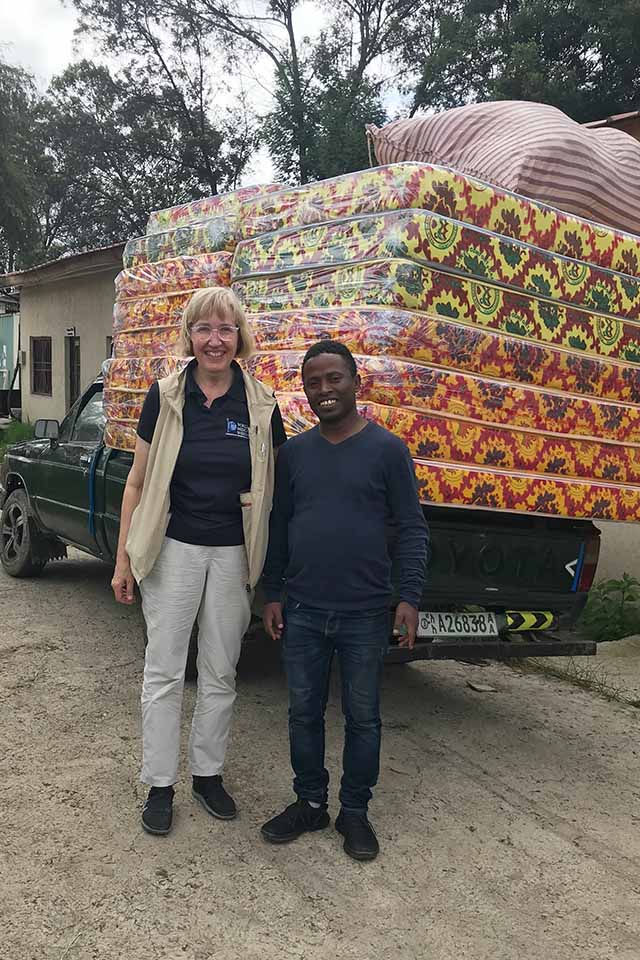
17, 553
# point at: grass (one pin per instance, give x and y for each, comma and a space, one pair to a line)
14, 433
584, 675
612, 613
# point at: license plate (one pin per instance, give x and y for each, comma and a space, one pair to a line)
431, 625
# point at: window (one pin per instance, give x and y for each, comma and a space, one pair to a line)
41, 365
89, 424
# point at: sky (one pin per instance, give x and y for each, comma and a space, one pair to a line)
37, 35
47, 50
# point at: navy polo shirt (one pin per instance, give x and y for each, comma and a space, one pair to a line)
214, 464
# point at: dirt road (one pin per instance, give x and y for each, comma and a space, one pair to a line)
509, 821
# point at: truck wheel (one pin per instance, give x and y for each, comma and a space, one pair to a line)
16, 538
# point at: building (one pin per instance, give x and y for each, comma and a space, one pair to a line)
9, 334
627, 122
66, 309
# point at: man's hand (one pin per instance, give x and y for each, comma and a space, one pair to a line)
272, 620
122, 583
406, 617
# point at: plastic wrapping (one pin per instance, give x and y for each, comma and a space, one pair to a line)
400, 383
512, 374
525, 493
121, 436
400, 283
220, 205
170, 276
445, 245
442, 342
433, 437
150, 342
208, 236
453, 441
417, 336
479, 487
401, 186
137, 374
122, 404
147, 313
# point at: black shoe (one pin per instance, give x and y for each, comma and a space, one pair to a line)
360, 841
299, 817
157, 812
213, 797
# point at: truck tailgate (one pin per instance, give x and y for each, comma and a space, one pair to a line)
507, 562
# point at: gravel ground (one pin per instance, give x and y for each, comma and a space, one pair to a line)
508, 820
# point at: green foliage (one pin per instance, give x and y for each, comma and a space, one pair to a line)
158, 115
18, 148
338, 103
15, 432
612, 611
582, 56
83, 164
326, 88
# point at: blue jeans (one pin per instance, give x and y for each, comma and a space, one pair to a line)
310, 639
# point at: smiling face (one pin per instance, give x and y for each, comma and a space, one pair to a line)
215, 342
331, 388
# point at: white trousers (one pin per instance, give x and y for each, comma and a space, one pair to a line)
189, 581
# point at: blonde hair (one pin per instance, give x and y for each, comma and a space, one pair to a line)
221, 302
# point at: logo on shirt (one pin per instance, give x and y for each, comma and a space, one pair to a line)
236, 429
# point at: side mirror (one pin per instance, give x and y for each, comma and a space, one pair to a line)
46, 429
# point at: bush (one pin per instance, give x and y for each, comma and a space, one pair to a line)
14, 433
612, 611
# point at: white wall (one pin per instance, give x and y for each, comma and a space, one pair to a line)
619, 549
46, 310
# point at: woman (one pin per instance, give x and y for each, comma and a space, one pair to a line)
193, 533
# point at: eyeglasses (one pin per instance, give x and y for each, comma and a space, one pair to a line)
203, 331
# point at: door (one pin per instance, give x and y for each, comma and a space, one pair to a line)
73, 370
62, 494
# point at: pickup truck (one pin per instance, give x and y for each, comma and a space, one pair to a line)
499, 584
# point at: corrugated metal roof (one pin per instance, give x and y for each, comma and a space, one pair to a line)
74, 265
612, 121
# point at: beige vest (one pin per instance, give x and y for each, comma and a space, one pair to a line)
151, 517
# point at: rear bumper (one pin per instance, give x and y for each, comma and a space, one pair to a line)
512, 646
566, 607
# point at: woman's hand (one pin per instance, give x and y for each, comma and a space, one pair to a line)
122, 582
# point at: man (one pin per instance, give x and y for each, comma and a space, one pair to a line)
337, 486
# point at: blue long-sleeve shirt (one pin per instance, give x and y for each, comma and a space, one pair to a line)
332, 504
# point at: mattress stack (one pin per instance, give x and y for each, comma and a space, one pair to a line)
186, 247
500, 338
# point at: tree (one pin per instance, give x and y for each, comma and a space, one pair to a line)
18, 186
338, 106
168, 70
118, 147
582, 56
323, 89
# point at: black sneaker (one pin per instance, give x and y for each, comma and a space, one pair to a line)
360, 840
299, 817
213, 797
157, 812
